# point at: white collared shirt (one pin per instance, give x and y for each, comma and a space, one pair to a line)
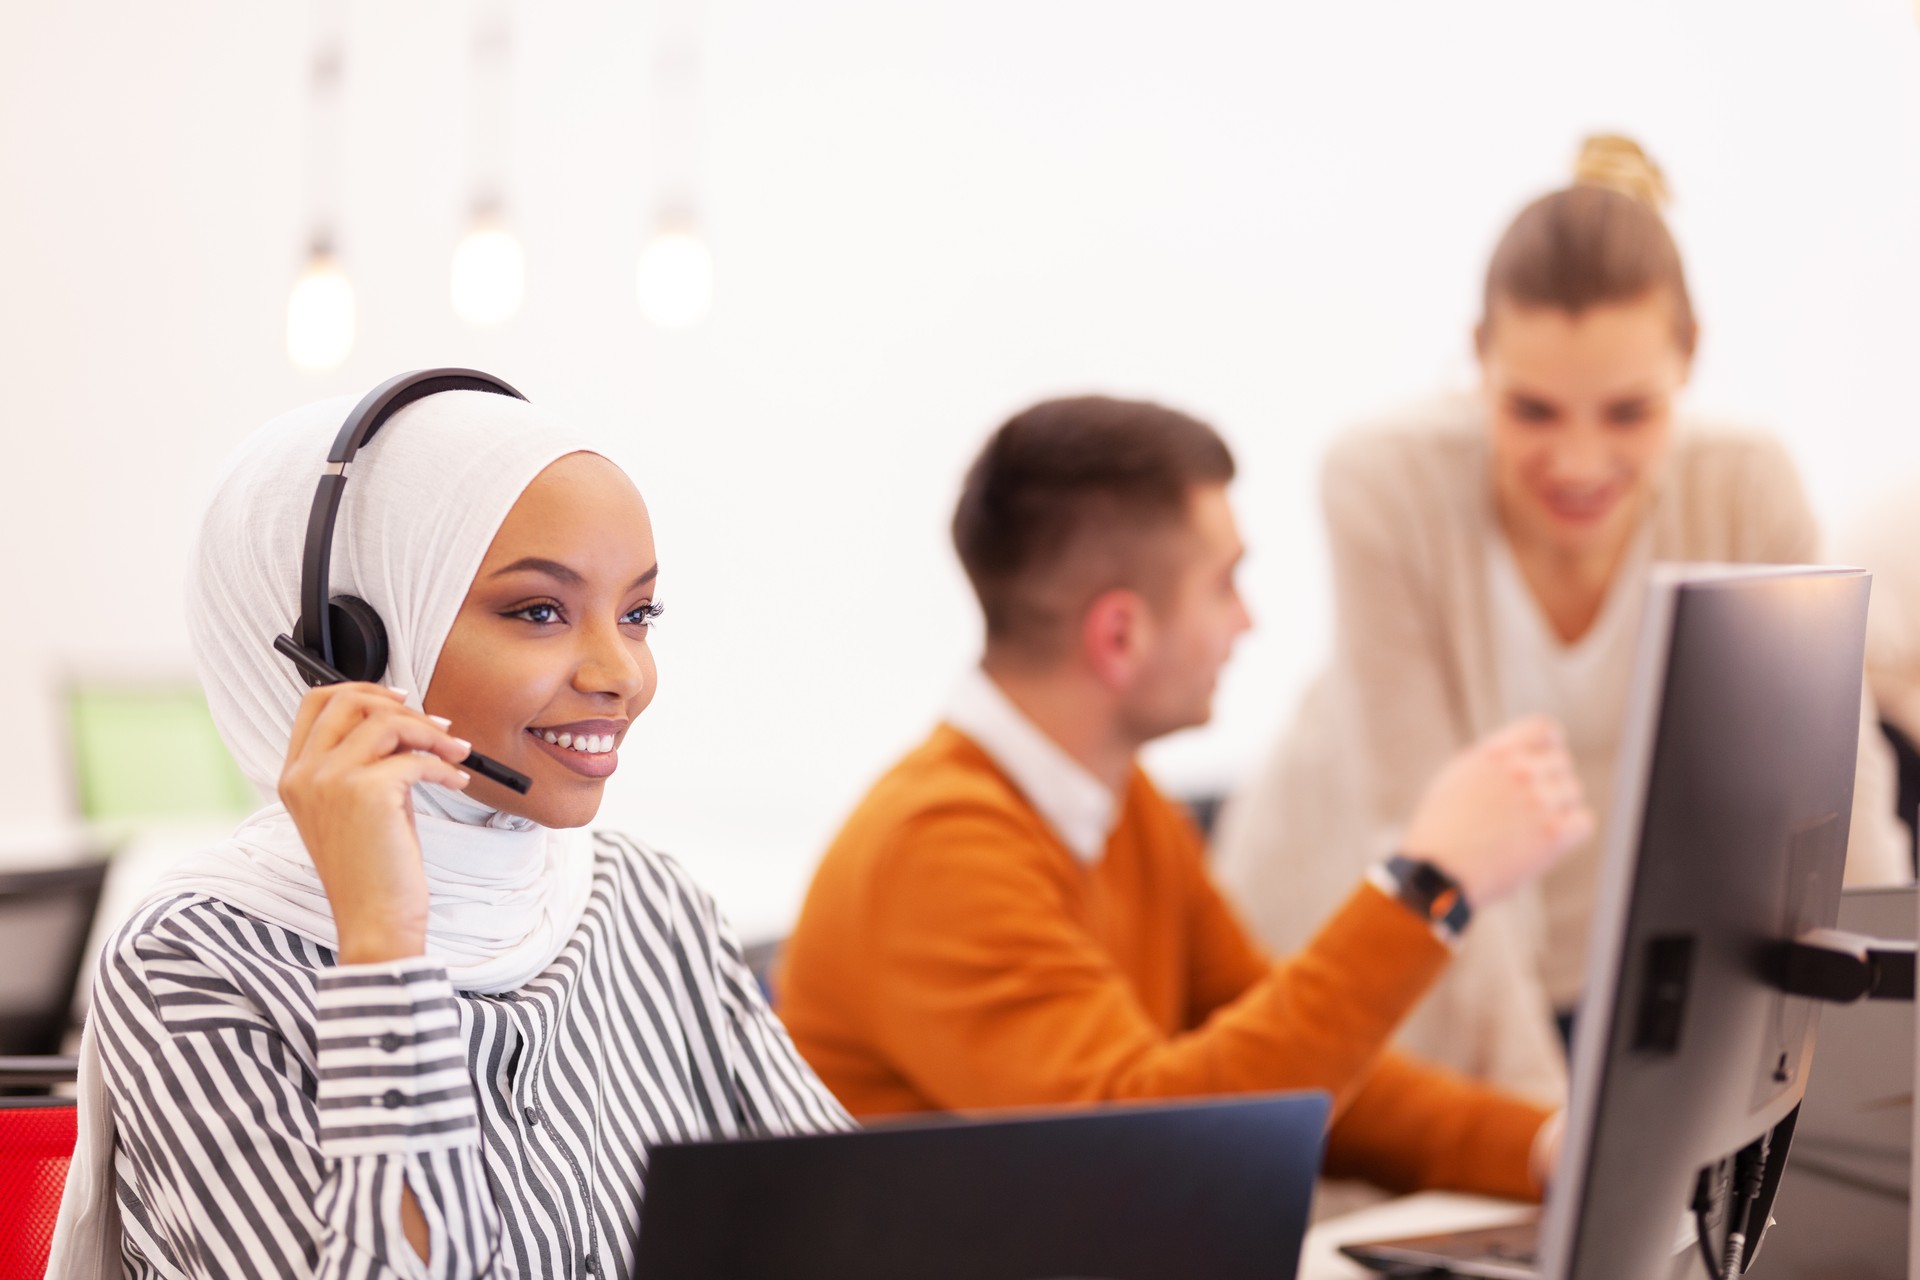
1077, 805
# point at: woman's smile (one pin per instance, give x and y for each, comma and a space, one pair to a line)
588, 747
1583, 506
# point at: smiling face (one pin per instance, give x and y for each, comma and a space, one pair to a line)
1580, 408
547, 664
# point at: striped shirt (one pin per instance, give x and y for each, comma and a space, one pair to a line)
271, 1104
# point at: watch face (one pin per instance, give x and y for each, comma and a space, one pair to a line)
1430, 892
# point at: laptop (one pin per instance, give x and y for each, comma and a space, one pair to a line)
1843, 1205
1220, 1188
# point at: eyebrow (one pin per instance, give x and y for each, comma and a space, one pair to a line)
1610, 397
554, 569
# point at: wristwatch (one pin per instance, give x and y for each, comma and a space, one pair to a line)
1428, 892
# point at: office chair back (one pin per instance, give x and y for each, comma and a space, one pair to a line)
45, 919
37, 1136
146, 751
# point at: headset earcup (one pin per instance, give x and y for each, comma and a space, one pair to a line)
359, 639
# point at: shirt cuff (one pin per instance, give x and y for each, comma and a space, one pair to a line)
393, 1076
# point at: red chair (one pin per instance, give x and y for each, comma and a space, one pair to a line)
37, 1134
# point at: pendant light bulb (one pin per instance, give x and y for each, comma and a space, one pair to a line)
674, 280
489, 274
320, 314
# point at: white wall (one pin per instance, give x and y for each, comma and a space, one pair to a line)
924, 215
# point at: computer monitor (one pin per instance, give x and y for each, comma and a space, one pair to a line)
1729, 838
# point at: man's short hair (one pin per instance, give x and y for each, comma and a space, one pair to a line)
1072, 498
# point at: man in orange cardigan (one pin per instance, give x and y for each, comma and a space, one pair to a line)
1015, 915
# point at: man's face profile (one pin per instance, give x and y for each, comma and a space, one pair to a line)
1195, 621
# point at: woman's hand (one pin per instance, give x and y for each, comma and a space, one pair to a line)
355, 753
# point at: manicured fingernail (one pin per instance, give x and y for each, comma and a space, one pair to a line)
394, 688
464, 745
442, 721
465, 777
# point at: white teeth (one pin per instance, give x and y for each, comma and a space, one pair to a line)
585, 743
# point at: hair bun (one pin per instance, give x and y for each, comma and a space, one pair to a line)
1617, 163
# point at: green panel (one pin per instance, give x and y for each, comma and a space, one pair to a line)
152, 752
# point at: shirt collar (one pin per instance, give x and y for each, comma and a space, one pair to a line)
1077, 805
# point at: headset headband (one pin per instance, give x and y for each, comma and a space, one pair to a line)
379, 404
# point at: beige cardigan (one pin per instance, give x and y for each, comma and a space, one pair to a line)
1409, 512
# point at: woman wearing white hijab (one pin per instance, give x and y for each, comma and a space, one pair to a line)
406, 1022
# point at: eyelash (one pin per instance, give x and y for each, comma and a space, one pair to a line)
649, 614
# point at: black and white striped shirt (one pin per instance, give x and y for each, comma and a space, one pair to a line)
270, 1104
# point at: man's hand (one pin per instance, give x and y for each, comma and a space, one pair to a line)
1502, 811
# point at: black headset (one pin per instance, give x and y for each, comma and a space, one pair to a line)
344, 632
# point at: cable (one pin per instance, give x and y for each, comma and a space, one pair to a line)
1749, 1170
1705, 1199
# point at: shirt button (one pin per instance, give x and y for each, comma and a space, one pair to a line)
590, 1266
390, 1042
393, 1098
532, 1114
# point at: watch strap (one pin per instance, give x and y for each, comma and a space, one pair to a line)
1429, 893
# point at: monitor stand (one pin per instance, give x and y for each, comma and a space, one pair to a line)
1829, 965
1840, 967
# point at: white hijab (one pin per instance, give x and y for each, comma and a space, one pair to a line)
422, 504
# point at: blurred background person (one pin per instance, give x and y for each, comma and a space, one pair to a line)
1489, 557
1015, 915
1885, 538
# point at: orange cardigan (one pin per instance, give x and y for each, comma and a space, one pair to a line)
952, 954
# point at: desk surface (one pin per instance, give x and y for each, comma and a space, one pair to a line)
1320, 1258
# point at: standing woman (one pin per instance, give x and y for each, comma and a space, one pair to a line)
407, 1023
1490, 554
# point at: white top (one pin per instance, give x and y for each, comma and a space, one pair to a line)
1883, 538
1582, 685
1077, 805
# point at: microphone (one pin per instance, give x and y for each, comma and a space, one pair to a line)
315, 667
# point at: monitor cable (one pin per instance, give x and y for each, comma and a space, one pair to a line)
1749, 1169
1707, 1191
1736, 1184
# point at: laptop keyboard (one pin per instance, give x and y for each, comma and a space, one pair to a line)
1503, 1250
